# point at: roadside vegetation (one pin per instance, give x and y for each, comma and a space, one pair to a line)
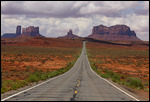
125, 66
22, 65
35, 76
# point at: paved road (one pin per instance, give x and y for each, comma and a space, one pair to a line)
78, 84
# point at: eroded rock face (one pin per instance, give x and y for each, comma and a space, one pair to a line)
18, 30
70, 32
117, 32
13, 35
30, 31
69, 35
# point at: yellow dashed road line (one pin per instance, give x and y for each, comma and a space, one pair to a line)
76, 92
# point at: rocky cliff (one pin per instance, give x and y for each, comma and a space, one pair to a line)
117, 32
18, 30
69, 35
13, 35
30, 31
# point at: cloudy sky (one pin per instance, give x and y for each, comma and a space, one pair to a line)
55, 18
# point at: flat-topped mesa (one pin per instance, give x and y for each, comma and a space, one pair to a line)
116, 32
30, 31
13, 35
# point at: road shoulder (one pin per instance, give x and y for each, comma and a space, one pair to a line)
139, 94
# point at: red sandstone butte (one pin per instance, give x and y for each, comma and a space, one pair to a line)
113, 33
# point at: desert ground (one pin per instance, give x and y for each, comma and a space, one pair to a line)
24, 58
123, 60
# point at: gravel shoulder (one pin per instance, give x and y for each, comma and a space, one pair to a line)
139, 94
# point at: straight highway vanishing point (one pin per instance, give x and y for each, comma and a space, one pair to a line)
80, 83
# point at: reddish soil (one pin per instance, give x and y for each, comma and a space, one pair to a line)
42, 41
19, 65
141, 71
138, 66
15, 67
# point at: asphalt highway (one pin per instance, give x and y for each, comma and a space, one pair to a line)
80, 83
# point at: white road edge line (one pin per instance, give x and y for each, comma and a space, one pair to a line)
111, 83
40, 83
64, 74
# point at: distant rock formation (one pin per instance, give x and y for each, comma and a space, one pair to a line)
70, 32
117, 32
69, 35
29, 31
18, 30
9, 35
12, 35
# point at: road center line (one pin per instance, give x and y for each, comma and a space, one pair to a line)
40, 83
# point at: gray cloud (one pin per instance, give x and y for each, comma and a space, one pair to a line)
63, 9
35, 9
55, 18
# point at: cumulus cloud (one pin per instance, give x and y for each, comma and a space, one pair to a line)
35, 9
55, 18
144, 10
71, 8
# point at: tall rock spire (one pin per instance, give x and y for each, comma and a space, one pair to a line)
69, 35
18, 30
70, 32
